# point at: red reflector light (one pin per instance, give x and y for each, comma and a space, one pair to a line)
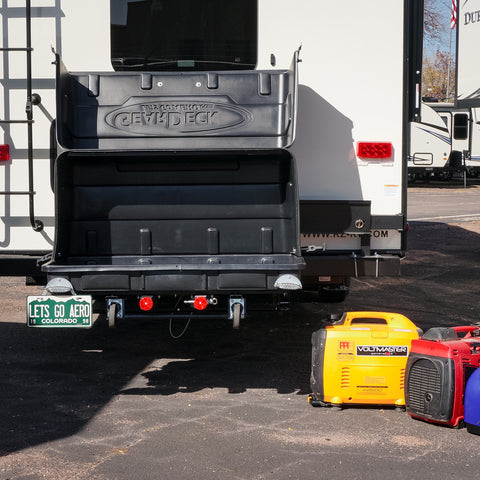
374, 150
4, 153
145, 303
200, 303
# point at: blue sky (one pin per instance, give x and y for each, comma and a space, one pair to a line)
444, 8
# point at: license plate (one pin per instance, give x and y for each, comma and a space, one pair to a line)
59, 311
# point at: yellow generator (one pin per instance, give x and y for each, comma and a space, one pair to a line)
361, 359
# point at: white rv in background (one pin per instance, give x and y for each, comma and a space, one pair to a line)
463, 125
467, 81
182, 158
467, 95
445, 140
446, 137
430, 145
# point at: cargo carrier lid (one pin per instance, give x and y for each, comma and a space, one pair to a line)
252, 109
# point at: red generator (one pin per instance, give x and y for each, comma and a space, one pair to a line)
438, 367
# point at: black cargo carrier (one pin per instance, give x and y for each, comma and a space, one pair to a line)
176, 183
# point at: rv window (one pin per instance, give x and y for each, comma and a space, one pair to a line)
460, 126
183, 34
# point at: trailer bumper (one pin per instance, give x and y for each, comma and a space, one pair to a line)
352, 265
188, 274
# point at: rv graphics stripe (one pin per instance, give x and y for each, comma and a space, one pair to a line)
438, 135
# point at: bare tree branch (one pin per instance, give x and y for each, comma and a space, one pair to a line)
435, 23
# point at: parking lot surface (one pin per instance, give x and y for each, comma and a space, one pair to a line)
216, 403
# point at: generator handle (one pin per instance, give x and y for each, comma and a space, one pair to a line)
465, 329
365, 318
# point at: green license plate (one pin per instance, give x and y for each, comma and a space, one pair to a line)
59, 311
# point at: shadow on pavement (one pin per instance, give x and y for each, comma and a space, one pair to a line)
53, 382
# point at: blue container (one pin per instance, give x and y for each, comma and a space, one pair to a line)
472, 403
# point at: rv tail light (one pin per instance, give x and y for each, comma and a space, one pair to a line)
374, 150
146, 303
4, 153
200, 303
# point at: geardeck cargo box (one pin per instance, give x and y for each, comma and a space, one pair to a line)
438, 368
168, 183
361, 359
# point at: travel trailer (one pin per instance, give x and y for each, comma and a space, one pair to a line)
445, 137
190, 159
446, 140
467, 82
430, 145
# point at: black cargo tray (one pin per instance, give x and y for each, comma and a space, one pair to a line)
164, 222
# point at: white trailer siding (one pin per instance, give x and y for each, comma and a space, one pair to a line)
78, 30
467, 82
468, 35
353, 67
16, 233
474, 159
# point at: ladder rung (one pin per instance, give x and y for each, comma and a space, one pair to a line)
17, 121
18, 193
24, 49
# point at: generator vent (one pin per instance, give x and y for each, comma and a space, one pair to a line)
423, 385
345, 377
402, 379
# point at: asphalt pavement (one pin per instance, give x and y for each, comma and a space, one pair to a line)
216, 403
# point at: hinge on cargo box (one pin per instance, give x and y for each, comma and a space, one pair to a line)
46, 258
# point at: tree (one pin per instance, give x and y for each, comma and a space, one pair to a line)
438, 76
435, 24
